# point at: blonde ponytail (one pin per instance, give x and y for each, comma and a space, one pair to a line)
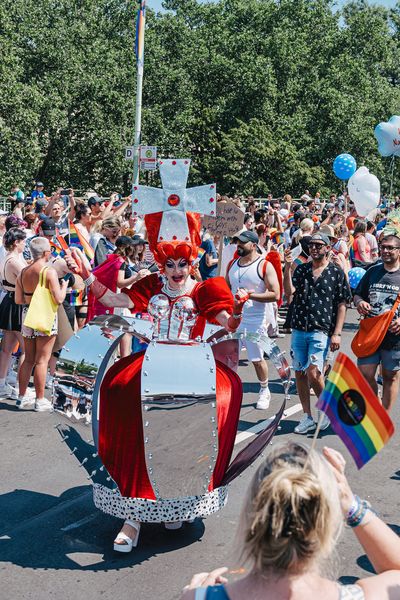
293, 514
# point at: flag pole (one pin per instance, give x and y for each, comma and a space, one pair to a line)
315, 437
139, 48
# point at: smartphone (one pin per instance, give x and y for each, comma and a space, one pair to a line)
296, 251
65, 192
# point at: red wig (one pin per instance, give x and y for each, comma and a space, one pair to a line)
174, 249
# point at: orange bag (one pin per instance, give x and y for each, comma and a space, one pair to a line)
372, 331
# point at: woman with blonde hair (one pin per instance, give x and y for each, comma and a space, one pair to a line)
38, 345
110, 230
306, 229
294, 513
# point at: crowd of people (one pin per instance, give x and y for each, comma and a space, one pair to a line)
290, 272
293, 257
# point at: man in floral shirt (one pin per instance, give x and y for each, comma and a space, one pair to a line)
319, 292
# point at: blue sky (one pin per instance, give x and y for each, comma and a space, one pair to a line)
156, 4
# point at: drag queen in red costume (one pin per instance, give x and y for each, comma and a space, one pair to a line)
166, 296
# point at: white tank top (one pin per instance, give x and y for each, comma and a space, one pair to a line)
250, 277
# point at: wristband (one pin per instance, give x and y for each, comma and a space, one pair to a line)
236, 315
357, 512
89, 280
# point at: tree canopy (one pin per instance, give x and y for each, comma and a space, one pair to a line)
261, 94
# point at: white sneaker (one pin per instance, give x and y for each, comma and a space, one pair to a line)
280, 320
25, 402
30, 393
264, 398
43, 405
325, 421
6, 391
306, 425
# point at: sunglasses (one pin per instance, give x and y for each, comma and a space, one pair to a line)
315, 245
389, 248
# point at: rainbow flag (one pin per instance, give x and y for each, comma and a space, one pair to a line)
355, 412
61, 242
139, 41
56, 250
76, 239
300, 260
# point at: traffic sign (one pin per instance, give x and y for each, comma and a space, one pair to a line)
129, 152
148, 158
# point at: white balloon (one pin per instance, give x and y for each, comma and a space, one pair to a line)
364, 190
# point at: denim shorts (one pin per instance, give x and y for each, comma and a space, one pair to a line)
309, 348
389, 359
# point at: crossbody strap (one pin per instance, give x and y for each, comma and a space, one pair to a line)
396, 303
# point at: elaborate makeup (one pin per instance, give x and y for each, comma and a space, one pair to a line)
177, 272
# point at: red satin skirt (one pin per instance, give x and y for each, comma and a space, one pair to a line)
121, 438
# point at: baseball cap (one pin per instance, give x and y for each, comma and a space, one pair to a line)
39, 184
320, 237
248, 236
48, 226
94, 200
138, 239
40, 204
300, 214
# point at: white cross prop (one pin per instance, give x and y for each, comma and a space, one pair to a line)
174, 200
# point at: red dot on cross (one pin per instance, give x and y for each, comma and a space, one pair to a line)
174, 237
161, 237
211, 187
212, 212
174, 162
136, 201
174, 200
211, 199
135, 188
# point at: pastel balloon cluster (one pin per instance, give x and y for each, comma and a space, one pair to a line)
344, 166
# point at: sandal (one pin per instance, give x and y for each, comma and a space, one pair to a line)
123, 543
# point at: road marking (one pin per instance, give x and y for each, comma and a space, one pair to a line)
80, 522
244, 435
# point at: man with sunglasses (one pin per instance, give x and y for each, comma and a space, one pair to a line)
376, 293
319, 293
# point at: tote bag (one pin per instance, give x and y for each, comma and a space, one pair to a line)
42, 309
372, 331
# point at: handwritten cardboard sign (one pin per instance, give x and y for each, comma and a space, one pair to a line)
228, 221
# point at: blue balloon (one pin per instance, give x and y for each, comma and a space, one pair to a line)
344, 166
355, 276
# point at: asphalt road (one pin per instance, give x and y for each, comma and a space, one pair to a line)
55, 544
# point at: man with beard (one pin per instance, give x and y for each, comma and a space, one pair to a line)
376, 293
254, 275
319, 292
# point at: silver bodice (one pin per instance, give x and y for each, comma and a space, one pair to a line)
173, 318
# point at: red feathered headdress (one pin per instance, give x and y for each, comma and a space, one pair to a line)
175, 249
